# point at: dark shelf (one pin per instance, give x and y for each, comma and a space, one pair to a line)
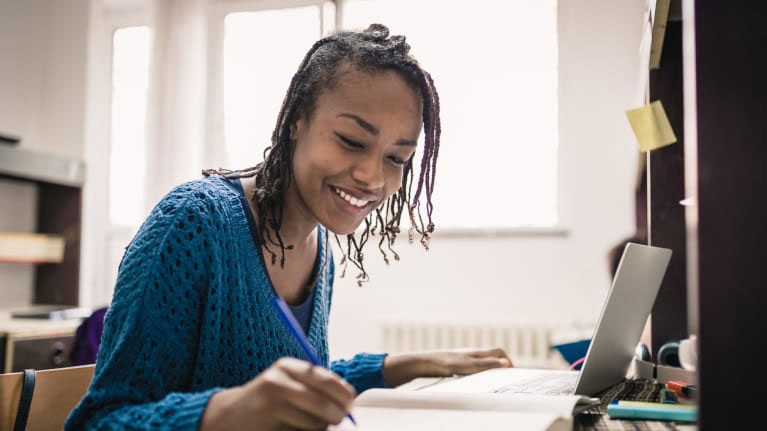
59, 211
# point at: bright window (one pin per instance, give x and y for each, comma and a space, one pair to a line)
495, 66
130, 84
262, 51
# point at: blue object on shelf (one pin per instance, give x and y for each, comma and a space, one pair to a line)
574, 350
652, 411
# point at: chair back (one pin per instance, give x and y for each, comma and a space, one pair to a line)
56, 392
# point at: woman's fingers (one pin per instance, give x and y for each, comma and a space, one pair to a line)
313, 403
296, 419
475, 365
291, 394
323, 382
494, 353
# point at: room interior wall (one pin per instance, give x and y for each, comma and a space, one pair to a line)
42, 100
509, 278
528, 278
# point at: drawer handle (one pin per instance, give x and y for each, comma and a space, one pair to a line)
58, 349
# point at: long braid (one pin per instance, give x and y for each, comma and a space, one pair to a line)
369, 50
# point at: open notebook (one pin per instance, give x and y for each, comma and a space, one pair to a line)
392, 409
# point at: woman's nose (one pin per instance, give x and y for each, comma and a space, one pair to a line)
368, 171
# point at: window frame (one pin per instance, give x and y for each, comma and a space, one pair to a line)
215, 151
215, 144
98, 230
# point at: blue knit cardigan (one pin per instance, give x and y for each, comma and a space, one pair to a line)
190, 316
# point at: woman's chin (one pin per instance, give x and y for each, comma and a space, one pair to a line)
342, 228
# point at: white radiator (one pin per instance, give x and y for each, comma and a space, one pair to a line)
528, 345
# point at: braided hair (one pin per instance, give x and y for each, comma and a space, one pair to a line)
370, 50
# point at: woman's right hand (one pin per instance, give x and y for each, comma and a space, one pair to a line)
291, 394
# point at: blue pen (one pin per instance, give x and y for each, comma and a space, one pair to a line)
294, 328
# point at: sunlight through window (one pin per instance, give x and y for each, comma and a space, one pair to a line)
262, 51
495, 66
130, 84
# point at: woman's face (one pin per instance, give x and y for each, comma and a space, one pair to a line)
350, 156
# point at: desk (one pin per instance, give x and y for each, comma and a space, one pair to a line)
597, 419
636, 390
35, 343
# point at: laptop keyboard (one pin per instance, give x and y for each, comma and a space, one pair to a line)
546, 384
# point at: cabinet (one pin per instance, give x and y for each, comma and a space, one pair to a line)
59, 212
35, 343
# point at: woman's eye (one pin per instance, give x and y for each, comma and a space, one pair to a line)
349, 142
397, 160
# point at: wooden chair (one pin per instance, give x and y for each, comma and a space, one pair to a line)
56, 393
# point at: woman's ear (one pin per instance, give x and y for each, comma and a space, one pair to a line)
296, 125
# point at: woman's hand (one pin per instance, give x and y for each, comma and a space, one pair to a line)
399, 369
291, 394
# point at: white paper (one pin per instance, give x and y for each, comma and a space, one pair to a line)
560, 405
496, 378
390, 419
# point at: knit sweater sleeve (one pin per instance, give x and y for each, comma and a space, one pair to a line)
147, 354
363, 371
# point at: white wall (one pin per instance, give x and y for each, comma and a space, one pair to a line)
22, 42
42, 81
42, 99
529, 278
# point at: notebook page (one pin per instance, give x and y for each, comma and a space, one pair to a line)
388, 419
561, 405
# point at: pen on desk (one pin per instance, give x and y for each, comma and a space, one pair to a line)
295, 329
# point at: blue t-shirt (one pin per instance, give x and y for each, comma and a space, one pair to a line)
191, 315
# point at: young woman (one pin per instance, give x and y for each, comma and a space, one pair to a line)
191, 341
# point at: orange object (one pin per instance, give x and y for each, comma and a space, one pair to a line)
681, 388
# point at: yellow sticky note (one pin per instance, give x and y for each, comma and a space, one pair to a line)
651, 126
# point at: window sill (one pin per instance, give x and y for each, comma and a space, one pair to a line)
502, 232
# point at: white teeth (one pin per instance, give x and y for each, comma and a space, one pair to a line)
351, 199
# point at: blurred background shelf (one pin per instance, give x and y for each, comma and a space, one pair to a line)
58, 212
43, 168
31, 248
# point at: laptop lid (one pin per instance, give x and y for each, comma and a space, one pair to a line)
623, 317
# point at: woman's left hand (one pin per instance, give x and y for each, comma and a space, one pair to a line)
401, 368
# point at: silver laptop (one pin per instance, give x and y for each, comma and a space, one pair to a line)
615, 339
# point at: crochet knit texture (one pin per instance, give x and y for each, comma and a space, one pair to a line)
191, 316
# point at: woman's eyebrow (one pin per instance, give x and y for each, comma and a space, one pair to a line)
364, 124
406, 143
373, 129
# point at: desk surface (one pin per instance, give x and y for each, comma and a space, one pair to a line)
597, 419
25, 327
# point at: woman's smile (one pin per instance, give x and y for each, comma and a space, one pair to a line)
352, 201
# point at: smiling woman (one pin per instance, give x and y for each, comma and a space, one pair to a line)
190, 341
366, 92
353, 146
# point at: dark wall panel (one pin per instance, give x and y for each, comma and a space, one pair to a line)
667, 219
